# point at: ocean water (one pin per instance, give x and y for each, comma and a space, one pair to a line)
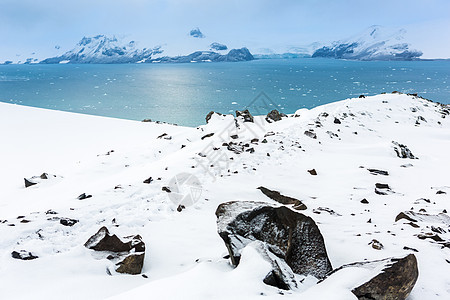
185, 93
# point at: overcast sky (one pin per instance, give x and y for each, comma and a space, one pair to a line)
30, 25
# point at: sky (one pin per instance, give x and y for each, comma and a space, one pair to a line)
28, 26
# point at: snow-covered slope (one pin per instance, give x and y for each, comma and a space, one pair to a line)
375, 43
185, 255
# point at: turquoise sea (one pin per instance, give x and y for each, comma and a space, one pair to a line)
185, 93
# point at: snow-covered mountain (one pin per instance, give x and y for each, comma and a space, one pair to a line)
104, 49
375, 43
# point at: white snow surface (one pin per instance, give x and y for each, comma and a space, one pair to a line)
184, 253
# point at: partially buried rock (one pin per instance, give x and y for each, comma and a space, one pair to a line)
382, 189
128, 255
84, 196
148, 180
245, 114
274, 116
68, 222
310, 134
210, 114
291, 236
23, 255
378, 172
403, 151
390, 278
275, 195
312, 172
281, 275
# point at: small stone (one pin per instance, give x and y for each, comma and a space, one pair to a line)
376, 244
207, 135
337, 121
180, 208
148, 180
84, 196
23, 255
310, 134
440, 192
410, 249
312, 172
166, 189
364, 201
68, 222
29, 183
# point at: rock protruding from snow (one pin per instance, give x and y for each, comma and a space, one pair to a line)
274, 116
23, 255
233, 55
37, 179
245, 114
281, 275
275, 195
403, 151
391, 278
288, 234
131, 253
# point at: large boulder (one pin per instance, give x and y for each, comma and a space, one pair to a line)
291, 236
128, 255
387, 279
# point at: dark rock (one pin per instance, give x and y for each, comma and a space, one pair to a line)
131, 264
430, 235
84, 196
395, 281
209, 115
376, 244
312, 172
337, 121
382, 189
180, 208
362, 96
207, 135
245, 114
274, 116
51, 212
378, 172
410, 249
310, 134
162, 135
291, 235
364, 201
254, 141
148, 180
236, 148
420, 217
402, 151
23, 255
29, 183
275, 195
166, 189
68, 222
104, 241
325, 209
440, 193
234, 136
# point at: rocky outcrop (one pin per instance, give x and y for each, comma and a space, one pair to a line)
129, 255
291, 236
274, 116
245, 114
37, 179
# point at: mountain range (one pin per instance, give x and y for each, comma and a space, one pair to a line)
374, 43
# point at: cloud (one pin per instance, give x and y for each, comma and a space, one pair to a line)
196, 33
